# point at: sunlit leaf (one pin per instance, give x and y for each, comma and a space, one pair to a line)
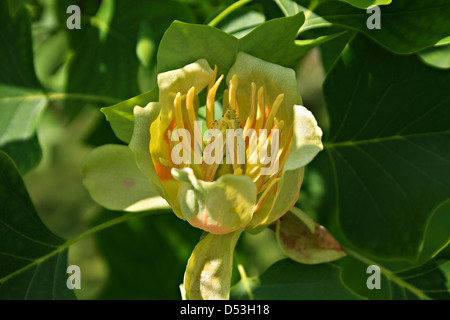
388, 147
22, 100
120, 115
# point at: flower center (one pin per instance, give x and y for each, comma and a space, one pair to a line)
232, 145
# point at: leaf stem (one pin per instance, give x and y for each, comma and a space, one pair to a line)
214, 22
103, 226
389, 274
89, 232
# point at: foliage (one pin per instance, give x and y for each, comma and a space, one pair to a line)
381, 186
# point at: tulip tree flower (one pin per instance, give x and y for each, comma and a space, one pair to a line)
224, 198
238, 169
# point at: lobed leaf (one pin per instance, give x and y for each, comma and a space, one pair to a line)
387, 146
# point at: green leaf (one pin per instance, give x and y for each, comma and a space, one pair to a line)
26, 153
32, 260
406, 26
242, 21
356, 275
318, 196
433, 277
289, 7
113, 179
273, 40
289, 280
121, 117
437, 233
22, 99
330, 50
306, 45
427, 281
388, 147
307, 40
185, 43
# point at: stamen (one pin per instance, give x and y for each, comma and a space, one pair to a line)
209, 170
238, 172
251, 115
264, 142
179, 120
196, 131
225, 101
280, 125
232, 93
273, 111
261, 115
210, 99
259, 181
236, 165
276, 126
252, 148
167, 163
178, 111
266, 194
286, 148
260, 112
190, 107
213, 79
273, 176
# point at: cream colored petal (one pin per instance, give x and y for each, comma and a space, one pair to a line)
307, 139
198, 74
208, 272
140, 141
274, 78
283, 198
219, 207
114, 181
